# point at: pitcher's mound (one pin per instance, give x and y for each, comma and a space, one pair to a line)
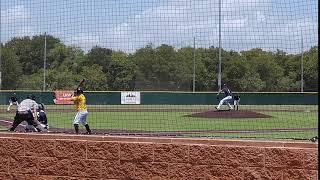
229, 114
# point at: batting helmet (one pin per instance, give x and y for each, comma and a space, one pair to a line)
79, 91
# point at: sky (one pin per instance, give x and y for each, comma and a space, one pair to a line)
128, 25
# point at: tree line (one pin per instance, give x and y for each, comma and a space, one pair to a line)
152, 68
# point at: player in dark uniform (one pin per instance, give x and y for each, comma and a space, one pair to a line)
13, 101
42, 117
226, 99
236, 101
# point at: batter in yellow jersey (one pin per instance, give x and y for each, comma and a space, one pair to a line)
80, 102
82, 114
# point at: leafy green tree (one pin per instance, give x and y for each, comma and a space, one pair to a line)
152, 68
11, 69
251, 82
100, 56
31, 82
61, 78
182, 74
281, 58
163, 63
267, 68
122, 72
206, 62
288, 83
66, 56
311, 70
234, 72
143, 59
96, 79
31, 51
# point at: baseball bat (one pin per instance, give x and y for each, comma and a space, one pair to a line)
80, 84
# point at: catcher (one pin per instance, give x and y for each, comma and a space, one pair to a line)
41, 117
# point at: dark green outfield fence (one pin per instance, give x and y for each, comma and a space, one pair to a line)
177, 98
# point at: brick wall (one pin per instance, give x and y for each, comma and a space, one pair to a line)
47, 156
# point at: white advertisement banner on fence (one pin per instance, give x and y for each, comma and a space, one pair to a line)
130, 97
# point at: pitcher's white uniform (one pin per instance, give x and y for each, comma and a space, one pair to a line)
226, 99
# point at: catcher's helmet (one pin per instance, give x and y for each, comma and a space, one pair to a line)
41, 106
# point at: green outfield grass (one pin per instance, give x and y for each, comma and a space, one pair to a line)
192, 126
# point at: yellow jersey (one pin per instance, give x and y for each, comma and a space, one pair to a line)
80, 102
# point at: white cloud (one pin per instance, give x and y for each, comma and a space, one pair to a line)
260, 16
15, 21
234, 23
83, 40
25, 31
14, 15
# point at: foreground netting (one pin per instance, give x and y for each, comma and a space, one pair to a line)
172, 54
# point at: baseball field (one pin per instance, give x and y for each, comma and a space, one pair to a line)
259, 121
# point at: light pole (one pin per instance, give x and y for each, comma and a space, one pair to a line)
0, 52
219, 74
301, 62
194, 65
44, 61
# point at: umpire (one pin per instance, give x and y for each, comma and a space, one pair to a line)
27, 111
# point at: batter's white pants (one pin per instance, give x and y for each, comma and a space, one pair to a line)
81, 117
225, 100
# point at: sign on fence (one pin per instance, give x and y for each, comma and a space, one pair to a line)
130, 97
62, 94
